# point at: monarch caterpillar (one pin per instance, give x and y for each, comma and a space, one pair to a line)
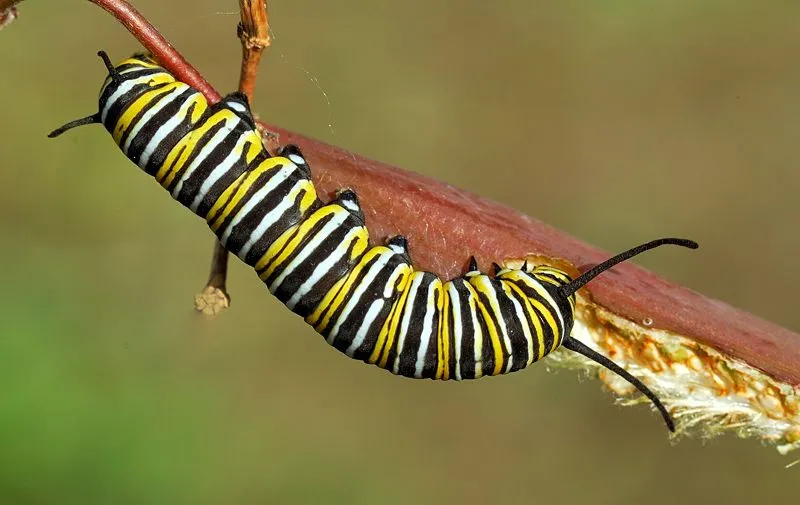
367, 301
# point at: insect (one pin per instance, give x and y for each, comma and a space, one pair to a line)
367, 301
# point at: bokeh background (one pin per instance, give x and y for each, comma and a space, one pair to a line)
654, 118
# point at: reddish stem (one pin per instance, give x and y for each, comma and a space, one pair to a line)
158, 45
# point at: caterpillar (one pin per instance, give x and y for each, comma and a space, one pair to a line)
367, 301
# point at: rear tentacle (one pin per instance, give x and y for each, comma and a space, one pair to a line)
576, 345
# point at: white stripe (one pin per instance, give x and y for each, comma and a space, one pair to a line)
236, 106
390, 284
224, 166
319, 238
369, 318
269, 220
537, 286
407, 310
162, 102
108, 79
121, 90
520, 311
458, 328
477, 336
262, 193
136, 68
323, 268
163, 132
355, 297
427, 329
497, 311
350, 205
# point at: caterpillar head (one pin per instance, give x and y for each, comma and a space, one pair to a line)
568, 290
116, 83
562, 288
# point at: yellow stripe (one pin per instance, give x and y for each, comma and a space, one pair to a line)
168, 170
346, 289
125, 121
379, 343
552, 271
324, 306
310, 196
443, 369
245, 186
534, 317
277, 254
141, 61
473, 308
545, 310
439, 300
497, 346
360, 243
395, 320
196, 99
225, 196
403, 277
281, 254
275, 248
202, 105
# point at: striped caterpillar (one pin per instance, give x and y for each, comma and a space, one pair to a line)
367, 301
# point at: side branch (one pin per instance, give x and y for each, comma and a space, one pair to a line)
253, 31
8, 12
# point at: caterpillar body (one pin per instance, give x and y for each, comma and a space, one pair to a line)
368, 301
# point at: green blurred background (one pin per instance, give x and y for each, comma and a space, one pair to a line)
656, 118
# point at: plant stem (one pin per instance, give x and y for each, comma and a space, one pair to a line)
253, 31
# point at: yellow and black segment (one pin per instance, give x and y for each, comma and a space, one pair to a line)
368, 301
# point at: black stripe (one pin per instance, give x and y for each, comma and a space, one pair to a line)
124, 101
308, 236
432, 353
349, 326
289, 218
170, 140
136, 119
548, 334
516, 330
419, 308
262, 179
196, 146
467, 349
192, 185
302, 272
